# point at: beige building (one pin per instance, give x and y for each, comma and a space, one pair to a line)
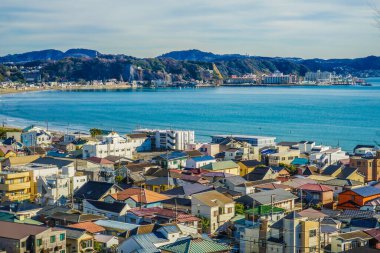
15, 185
79, 240
283, 156
22, 238
214, 206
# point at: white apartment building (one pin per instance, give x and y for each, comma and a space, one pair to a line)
36, 136
329, 156
170, 139
112, 144
319, 77
279, 78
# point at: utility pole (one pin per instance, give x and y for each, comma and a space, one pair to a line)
271, 206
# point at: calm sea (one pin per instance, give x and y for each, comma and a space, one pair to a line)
327, 115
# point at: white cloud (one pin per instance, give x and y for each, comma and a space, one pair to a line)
147, 28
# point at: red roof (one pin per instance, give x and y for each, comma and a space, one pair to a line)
99, 160
315, 188
88, 226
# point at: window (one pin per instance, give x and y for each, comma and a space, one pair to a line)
313, 249
229, 210
63, 251
52, 239
215, 213
23, 244
312, 233
62, 237
39, 242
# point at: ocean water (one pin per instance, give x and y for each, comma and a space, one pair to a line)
329, 115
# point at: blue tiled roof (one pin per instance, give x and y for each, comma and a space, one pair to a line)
364, 223
203, 158
169, 229
366, 191
300, 161
268, 151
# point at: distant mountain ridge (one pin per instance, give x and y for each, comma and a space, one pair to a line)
49, 54
186, 65
197, 55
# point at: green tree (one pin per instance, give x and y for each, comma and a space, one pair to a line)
239, 208
118, 179
290, 168
97, 247
205, 224
95, 131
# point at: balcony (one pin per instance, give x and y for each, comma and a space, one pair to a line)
15, 186
18, 197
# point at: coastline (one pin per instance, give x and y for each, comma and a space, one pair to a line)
5, 91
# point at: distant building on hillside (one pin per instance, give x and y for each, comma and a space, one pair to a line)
279, 78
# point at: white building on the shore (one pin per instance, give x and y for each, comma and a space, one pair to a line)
279, 78
169, 139
112, 144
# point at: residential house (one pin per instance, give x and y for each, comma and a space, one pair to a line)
89, 226
140, 142
137, 197
239, 184
187, 190
261, 173
293, 230
339, 185
106, 242
351, 240
278, 198
210, 149
95, 191
214, 206
330, 156
173, 160
248, 166
11, 217
361, 150
116, 227
357, 197
16, 237
283, 157
113, 211
198, 162
195, 245
317, 193
7, 151
151, 241
161, 184
368, 165
257, 141
223, 166
36, 136
78, 240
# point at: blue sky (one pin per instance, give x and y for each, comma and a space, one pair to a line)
147, 28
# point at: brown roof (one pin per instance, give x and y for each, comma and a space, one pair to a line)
139, 195
22, 159
211, 198
99, 160
19, 231
354, 234
193, 153
137, 135
88, 226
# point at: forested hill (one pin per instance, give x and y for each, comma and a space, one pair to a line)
77, 64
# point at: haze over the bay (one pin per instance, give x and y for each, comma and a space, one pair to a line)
147, 28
